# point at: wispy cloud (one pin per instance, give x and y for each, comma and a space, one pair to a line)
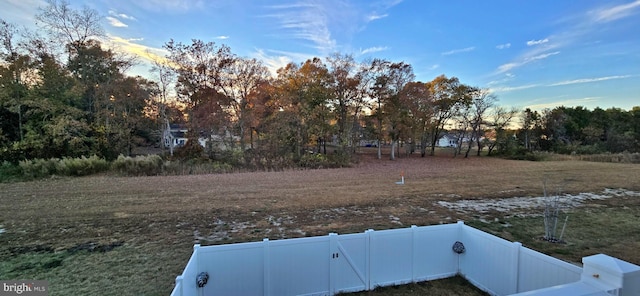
275, 59
306, 21
574, 30
571, 102
222, 37
320, 24
433, 67
512, 88
174, 6
537, 42
21, 12
456, 51
503, 46
567, 82
510, 66
129, 46
588, 80
609, 14
121, 15
116, 22
374, 17
373, 49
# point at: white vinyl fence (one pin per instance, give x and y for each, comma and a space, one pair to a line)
335, 263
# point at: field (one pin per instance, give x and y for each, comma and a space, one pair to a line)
106, 235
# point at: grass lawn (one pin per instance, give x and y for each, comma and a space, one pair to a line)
105, 235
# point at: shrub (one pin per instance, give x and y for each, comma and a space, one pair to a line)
9, 172
81, 166
148, 165
314, 161
190, 150
40, 168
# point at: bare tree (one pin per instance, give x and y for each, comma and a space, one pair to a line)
501, 118
480, 104
165, 77
72, 26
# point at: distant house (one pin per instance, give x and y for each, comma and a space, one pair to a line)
175, 135
451, 140
447, 140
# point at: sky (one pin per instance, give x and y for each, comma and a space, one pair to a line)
530, 54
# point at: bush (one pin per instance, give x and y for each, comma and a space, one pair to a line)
314, 161
9, 172
82, 166
530, 156
233, 157
149, 165
40, 168
190, 150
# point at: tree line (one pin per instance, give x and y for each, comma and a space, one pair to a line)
63, 94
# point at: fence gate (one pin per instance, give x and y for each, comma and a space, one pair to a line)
349, 266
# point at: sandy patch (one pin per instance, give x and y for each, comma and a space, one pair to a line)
531, 206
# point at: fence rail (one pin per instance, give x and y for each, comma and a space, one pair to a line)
335, 263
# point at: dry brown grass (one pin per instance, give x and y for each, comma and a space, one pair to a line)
159, 218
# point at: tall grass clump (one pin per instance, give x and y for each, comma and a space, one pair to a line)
196, 167
82, 166
143, 165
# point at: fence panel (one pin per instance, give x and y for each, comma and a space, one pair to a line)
391, 257
298, 266
539, 271
433, 255
489, 262
236, 269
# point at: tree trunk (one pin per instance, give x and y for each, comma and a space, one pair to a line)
466, 154
423, 146
393, 149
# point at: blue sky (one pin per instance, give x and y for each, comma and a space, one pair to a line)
536, 54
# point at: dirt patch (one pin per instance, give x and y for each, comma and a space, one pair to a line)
95, 247
531, 206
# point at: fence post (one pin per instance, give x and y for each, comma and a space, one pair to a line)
179, 282
334, 255
367, 264
196, 255
516, 257
267, 266
414, 264
461, 228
